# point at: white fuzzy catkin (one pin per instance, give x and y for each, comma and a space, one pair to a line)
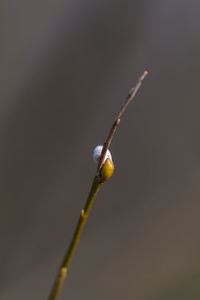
97, 154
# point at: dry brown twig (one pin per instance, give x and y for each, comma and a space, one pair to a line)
129, 98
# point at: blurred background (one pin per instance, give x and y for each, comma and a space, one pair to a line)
66, 67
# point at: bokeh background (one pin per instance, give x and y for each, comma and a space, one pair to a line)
66, 67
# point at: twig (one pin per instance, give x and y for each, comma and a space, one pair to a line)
129, 98
74, 242
97, 183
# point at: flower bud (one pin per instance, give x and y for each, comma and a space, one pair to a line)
97, 154
107, 170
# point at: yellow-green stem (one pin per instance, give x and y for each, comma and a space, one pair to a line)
97, 183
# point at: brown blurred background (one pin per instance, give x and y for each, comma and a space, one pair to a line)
66, 67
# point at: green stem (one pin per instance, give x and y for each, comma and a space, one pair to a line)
97, 183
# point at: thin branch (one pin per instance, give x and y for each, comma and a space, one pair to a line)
62, 273
129, 98
97, 183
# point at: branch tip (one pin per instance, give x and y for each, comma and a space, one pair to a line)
129, 98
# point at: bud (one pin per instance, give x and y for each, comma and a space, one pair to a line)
107, 170
97, 154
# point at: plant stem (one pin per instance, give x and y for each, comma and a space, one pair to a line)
97, 183
104, 172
